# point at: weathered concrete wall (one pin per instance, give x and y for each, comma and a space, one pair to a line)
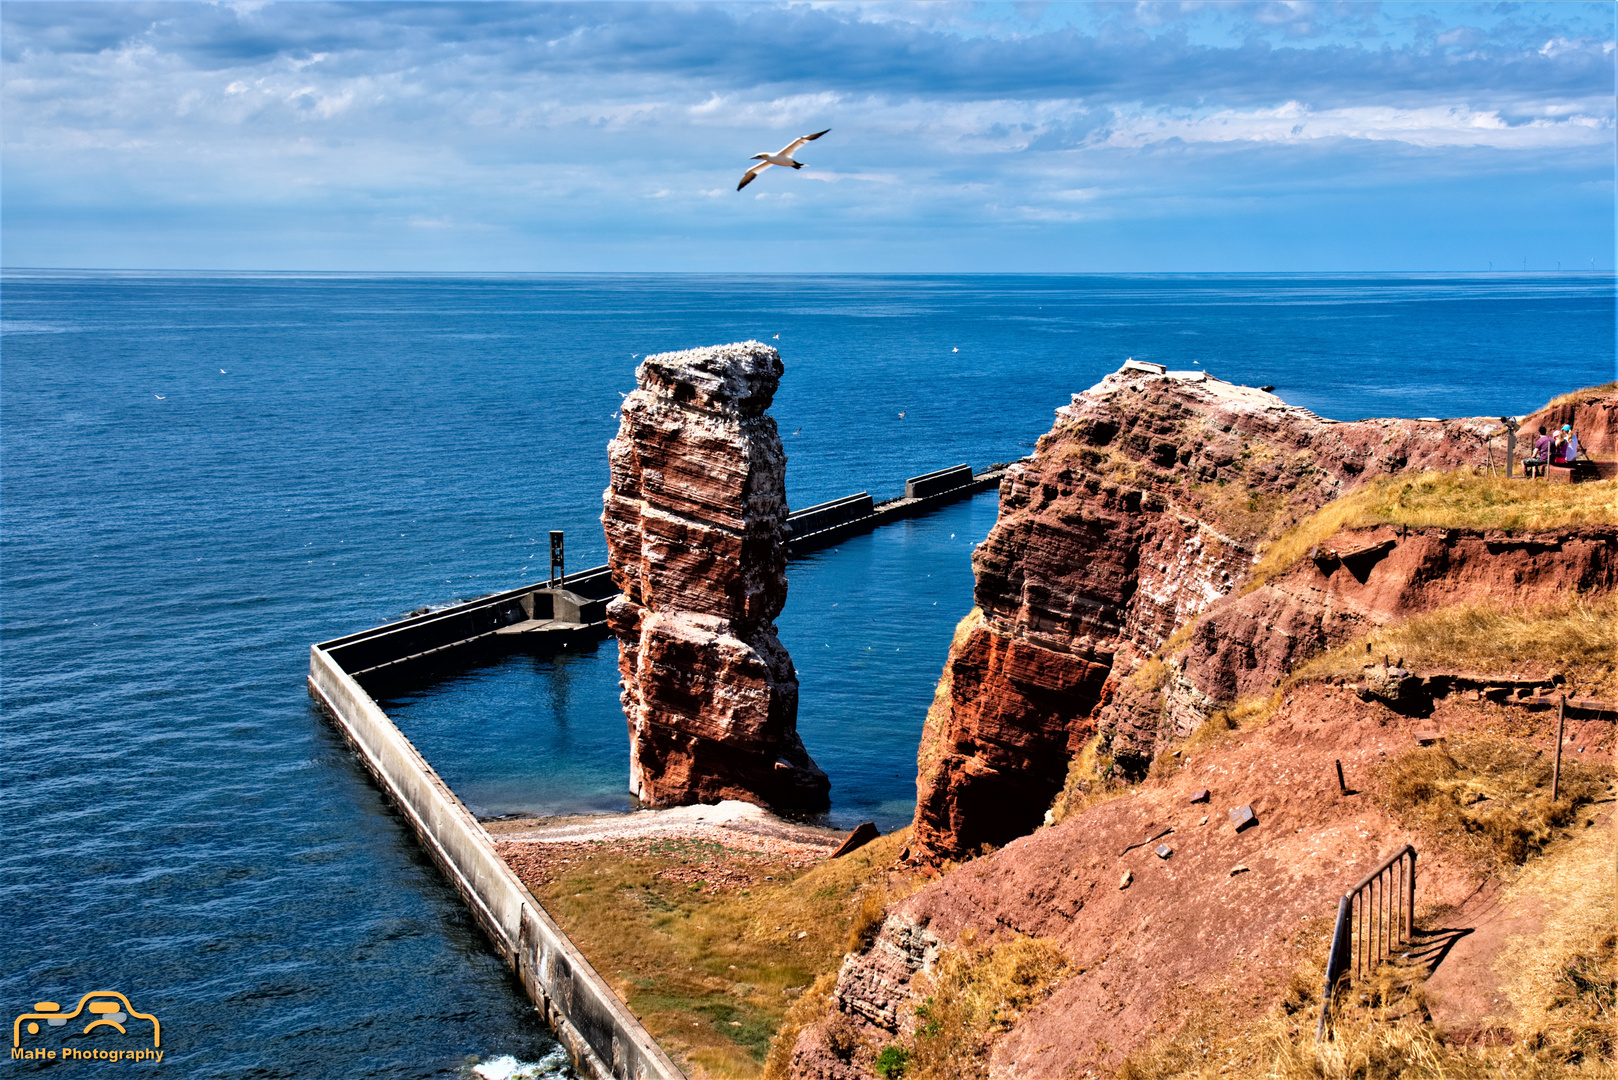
600, 1033
825, 524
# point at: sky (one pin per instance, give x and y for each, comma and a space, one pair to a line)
965, 137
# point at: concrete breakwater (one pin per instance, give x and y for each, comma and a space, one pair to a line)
572, 610
602, 1036
820, 526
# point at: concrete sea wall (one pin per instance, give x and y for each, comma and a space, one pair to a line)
602, 1036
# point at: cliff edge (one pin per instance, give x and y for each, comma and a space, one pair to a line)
1145, 503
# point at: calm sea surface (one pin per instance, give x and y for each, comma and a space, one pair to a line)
203, 474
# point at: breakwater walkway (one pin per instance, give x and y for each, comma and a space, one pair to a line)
601, 1035
564, 613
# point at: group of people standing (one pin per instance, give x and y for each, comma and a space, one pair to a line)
1557, 448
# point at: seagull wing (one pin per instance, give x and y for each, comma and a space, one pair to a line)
747, 177
795, 143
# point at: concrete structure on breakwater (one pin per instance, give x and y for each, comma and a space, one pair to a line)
601, 1035
562, 615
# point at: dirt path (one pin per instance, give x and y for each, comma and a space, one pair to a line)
1491, 977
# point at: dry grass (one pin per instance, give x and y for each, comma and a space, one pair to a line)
1566, 976
1486, 797
1150, 675
1090, 781
1576, 636
973, 994
1240, 512
813, 1004
1565, 995
1603, 390
1242, 716
716, 971
1465, 499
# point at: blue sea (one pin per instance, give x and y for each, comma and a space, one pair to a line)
201, 474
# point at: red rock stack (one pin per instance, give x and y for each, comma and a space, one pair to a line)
695, 518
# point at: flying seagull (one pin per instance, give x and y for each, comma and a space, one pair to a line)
782, 158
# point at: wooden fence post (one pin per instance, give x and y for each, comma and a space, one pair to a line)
1561, 721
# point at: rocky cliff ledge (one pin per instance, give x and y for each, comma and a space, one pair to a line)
1144, 504
694, 518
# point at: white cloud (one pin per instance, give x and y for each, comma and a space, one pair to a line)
1432, 127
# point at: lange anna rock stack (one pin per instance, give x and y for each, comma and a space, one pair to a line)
695, 519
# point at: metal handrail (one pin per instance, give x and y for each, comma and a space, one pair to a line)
1373, 917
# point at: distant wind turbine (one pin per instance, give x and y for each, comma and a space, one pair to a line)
782, 157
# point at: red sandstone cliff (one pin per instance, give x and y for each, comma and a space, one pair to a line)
694, 519
1115, 534
1142, 506
1218, 926
1243, 646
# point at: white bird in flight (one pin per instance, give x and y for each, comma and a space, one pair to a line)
783, 158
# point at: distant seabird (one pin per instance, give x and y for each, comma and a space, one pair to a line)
901, 416
160, 397
222, 371
777, 337
783, 158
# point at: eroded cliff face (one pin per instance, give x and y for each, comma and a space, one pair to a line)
1362, 579
694, 518
1142, 506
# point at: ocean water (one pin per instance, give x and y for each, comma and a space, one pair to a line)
202, 474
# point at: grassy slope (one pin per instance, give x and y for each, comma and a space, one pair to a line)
711, 967
1566, 979
1563, 990
1453, 500
1577, 637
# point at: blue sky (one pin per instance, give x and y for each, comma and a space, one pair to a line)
965, 137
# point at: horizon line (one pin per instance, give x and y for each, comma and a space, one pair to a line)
1588, 272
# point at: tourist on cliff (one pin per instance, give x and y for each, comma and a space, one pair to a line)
1542, 454
1567, 445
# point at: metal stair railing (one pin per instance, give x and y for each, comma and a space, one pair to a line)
1373, 918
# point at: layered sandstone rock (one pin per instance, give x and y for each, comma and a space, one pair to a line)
1362, 579
1143, 505
695, 517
